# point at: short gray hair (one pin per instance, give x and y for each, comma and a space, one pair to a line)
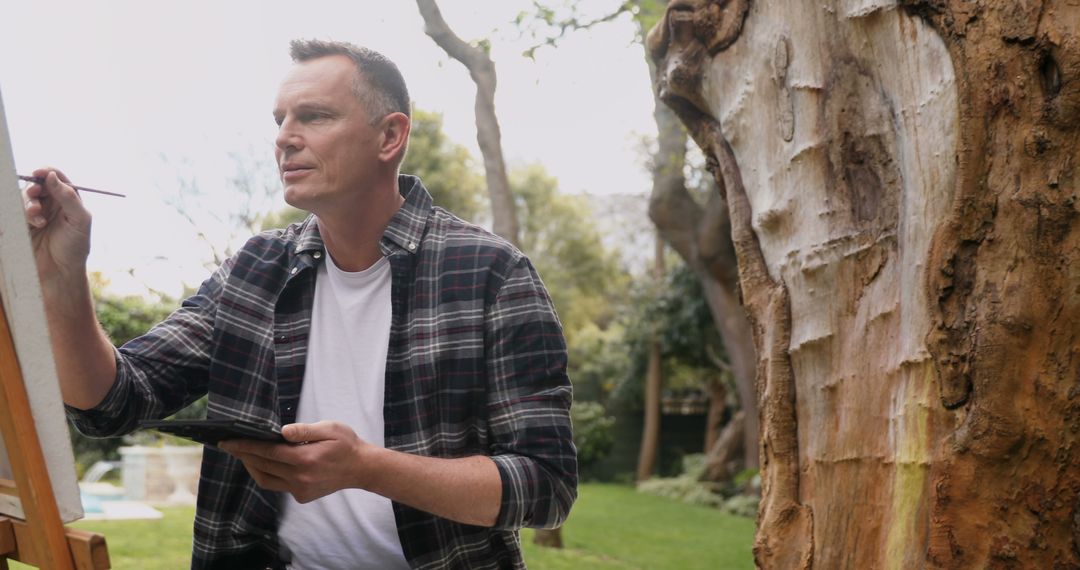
380, 86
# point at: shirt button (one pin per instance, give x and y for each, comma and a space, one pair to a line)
294, 270
411, 246
317, 254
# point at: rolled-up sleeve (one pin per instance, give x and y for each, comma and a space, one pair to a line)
161, 371
529, 404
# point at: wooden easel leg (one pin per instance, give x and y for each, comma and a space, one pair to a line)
47, 542
87, 549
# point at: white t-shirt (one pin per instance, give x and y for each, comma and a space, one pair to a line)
344, 380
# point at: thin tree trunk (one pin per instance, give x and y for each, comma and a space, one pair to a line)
488, 135
654, 379
715, 417
901, 182
725, 450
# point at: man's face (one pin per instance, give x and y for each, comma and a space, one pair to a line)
326, 147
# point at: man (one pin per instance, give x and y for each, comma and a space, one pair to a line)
417, 365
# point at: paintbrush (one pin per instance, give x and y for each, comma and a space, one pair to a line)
40, 180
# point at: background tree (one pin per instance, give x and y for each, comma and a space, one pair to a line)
448, 170
475, 57
901, 187
654, 380
582, 275
689, 214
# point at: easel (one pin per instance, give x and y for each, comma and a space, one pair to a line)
41, 540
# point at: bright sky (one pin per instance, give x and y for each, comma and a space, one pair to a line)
134, 96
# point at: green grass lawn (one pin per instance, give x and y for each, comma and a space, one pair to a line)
612, 526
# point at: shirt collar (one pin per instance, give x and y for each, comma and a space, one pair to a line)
404, 231
407, 226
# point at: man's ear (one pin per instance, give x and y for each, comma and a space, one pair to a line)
395, 129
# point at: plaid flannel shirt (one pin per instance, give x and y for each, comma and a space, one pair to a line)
476, 366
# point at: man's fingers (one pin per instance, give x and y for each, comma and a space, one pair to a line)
44, 172
42, 201
265, 479
266, 465
245, 448
297, 433
32, 206
319, 431
62, 191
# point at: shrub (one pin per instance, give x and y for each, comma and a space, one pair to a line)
688, 488
594, 432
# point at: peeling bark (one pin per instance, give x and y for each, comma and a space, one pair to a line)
676, 44
901, 185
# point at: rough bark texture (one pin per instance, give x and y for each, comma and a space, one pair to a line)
488, 135
900, 177
701, 235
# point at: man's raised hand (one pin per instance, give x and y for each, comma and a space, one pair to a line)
59, 226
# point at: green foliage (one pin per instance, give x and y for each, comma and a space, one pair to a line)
742, 505
581, 274
597, 361
647, 14
448, 170
676, 311
548, 23
125, 318
744, 477
594, 434
686, 487
689, 488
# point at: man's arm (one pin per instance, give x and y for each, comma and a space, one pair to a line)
328, 456
60, 237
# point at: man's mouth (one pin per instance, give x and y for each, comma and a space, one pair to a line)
290, 171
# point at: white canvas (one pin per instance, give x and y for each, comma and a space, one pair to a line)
21, 294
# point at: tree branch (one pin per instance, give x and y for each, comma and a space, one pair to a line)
488, 134
570, 24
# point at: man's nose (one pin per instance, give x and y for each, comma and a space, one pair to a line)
287, 138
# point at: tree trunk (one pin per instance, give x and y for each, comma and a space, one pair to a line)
715, 417
654, 379
701, 236
723, 453
482, 70
900, 178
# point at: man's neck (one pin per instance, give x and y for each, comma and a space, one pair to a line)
352, 234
